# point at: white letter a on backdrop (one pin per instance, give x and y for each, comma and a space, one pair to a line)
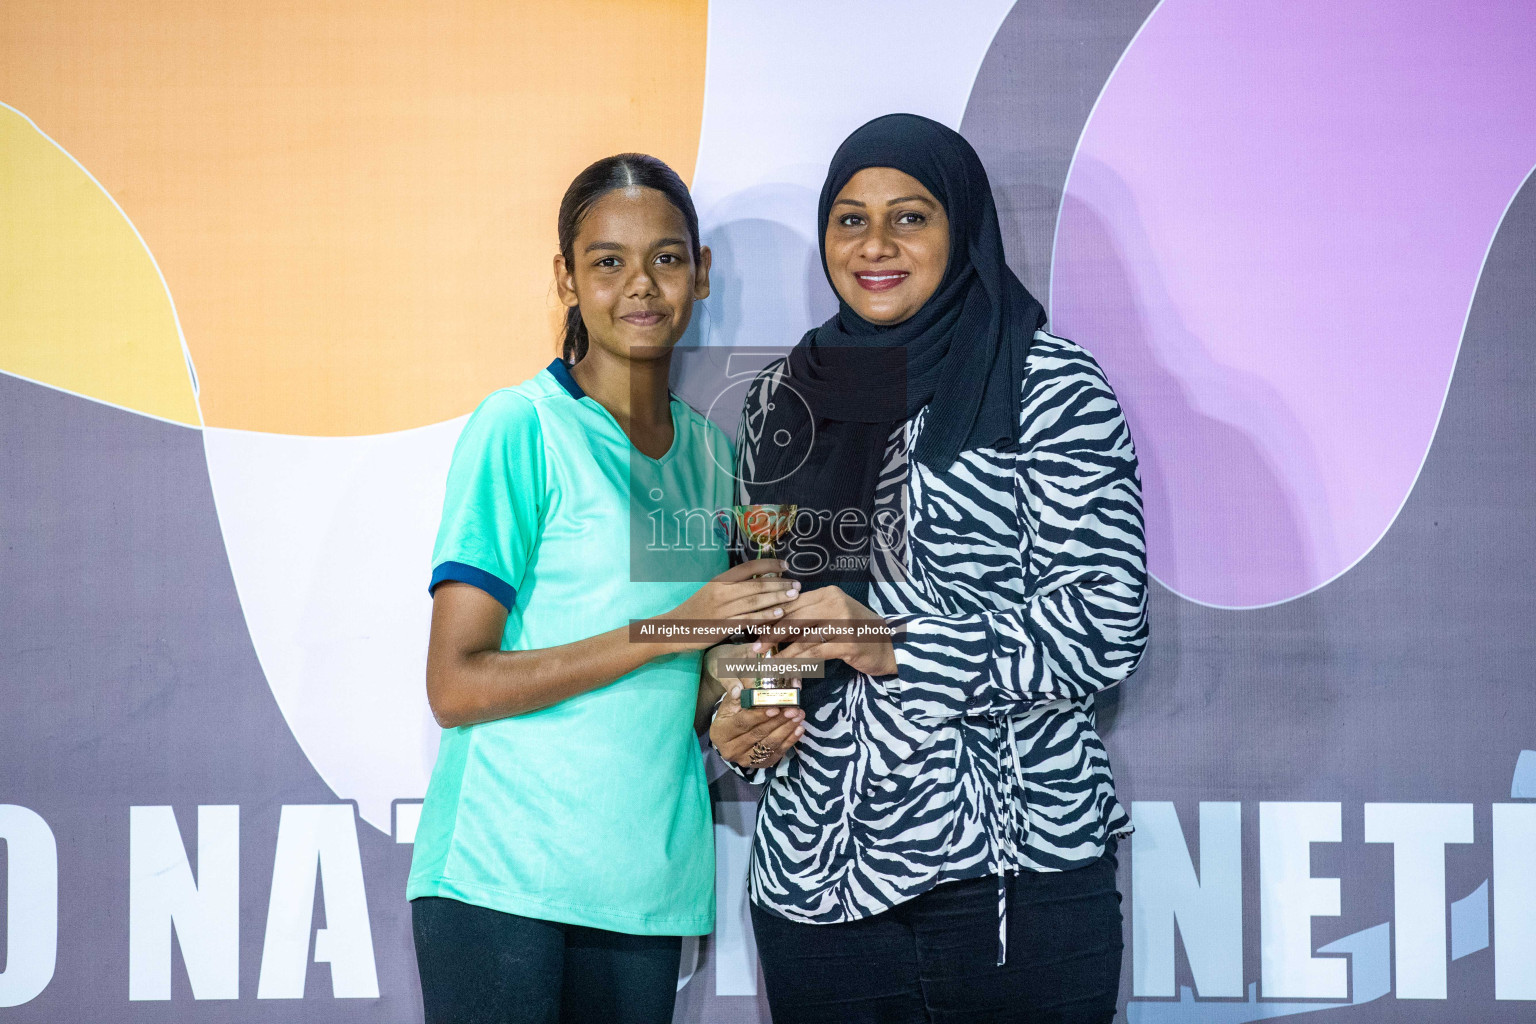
318, 839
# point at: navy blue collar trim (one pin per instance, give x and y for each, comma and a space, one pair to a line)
562, 373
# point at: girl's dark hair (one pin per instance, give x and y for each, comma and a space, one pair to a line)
626, 170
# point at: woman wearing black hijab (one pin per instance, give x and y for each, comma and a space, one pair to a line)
940, 844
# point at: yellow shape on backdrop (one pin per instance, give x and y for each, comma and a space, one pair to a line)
81, 304
354, 203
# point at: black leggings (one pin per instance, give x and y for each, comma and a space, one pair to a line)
933, 959
481, 966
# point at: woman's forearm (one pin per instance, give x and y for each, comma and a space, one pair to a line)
710, 689
481, 686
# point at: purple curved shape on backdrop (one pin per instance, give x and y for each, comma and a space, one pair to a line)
1270, 236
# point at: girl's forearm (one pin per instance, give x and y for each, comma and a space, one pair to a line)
482, 686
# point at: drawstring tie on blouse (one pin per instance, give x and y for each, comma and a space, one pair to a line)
1007, 764
1003, 847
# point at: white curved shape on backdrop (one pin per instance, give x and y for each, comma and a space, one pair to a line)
330, 543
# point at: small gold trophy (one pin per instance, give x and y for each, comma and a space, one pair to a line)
764, 526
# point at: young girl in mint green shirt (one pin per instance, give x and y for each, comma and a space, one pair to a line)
566, 841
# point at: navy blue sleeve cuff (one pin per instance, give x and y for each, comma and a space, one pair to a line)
492, 584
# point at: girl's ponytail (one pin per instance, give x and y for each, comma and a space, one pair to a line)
626, 170
574, 344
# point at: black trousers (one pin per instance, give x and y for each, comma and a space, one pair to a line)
933, 959
481, 966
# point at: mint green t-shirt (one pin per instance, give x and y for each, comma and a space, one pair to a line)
594, 811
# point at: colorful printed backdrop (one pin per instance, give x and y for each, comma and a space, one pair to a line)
257, 262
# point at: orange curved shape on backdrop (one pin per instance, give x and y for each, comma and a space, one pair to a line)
353, 203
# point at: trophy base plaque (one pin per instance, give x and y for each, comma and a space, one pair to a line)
763, 526
770, 697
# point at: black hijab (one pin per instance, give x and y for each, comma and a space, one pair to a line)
963, 354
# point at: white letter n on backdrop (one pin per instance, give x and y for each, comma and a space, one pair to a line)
1289, 898
311, 839
31, 906
1208, 909
162, 897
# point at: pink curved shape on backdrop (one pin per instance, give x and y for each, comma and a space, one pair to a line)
1270, 236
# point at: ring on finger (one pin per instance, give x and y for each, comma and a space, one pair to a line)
761, 752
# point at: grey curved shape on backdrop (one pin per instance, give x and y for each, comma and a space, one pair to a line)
1405, 680
130, 679
1031, 98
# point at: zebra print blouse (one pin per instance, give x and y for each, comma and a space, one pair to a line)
1021, 585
